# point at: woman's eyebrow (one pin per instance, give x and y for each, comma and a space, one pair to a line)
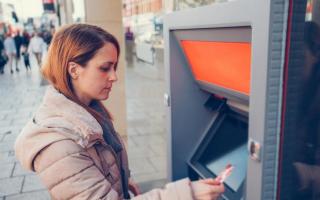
108, 63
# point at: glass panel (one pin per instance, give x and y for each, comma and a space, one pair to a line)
300, 159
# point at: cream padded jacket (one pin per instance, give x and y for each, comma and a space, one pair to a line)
63, 144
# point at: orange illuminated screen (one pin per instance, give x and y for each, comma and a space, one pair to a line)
225, 64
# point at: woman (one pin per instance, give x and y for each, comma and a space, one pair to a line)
37, 46
70, 142
11, 52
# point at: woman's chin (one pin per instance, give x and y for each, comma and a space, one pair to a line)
105, 97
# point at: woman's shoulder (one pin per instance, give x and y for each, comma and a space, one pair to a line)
35, 138
58, 151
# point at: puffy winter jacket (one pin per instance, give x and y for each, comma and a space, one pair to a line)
63, 144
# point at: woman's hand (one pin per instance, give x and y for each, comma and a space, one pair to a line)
134, 188
207, 189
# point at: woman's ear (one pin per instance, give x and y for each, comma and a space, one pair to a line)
73, 70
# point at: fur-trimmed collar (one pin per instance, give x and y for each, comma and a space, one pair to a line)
58, 112
57, 118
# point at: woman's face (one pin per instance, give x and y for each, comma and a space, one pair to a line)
94, 81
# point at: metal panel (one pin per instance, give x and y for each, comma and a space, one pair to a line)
186, 99
278, 22
226, 93
230, 34
295, 79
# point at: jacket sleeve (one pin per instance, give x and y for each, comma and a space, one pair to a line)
68, 172
179, 190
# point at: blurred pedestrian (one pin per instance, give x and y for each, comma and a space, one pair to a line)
18, 42
10, 49
36, 46
26, 58
3, 57
25, 38
71, 141
129, 36
24, 49
47, 37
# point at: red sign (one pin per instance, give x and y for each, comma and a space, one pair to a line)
48, 1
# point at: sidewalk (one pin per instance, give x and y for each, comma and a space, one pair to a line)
146, 124
21, 94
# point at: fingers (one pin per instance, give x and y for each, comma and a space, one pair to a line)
215, 192
207, 189
137, 190
134, 188
218, 189
210, 181
214, 185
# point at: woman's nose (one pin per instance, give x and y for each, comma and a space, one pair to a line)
113, 76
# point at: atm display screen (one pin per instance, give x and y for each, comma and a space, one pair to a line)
224, 64
228, 146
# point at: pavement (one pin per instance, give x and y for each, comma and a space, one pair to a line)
147, 144
21, 93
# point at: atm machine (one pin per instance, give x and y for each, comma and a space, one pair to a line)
226, 53
225, 66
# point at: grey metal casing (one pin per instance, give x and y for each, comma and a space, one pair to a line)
188, 118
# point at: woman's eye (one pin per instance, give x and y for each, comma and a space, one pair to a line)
105, 69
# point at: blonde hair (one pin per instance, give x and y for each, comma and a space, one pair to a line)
75, 43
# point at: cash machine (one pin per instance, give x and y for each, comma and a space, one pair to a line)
223, 93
